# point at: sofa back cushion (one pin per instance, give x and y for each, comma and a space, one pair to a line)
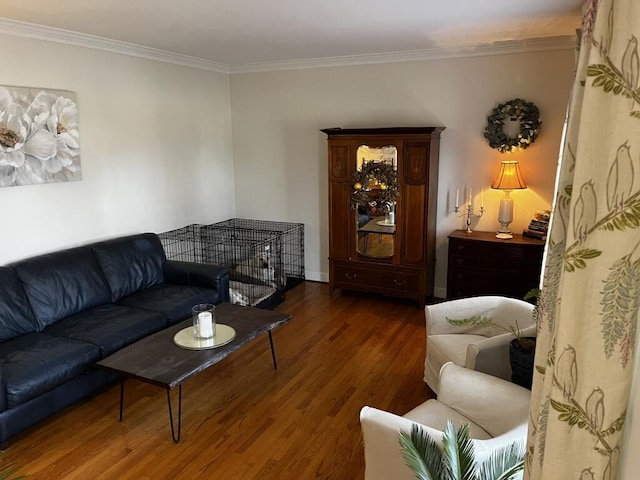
62, 283
131, 263
16, 316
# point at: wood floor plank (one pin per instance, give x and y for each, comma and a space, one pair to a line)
241, 419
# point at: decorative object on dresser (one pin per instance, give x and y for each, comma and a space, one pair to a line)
468, 209
480, 264
538, 226
383, 243
509, 178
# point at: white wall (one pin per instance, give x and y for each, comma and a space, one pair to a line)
280, 155
156, 148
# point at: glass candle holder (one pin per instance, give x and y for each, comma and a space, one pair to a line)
204, 321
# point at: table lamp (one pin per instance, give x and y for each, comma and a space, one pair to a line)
509, 178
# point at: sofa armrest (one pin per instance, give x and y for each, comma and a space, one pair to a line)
3, 393
198, 275
382, 451
493, 403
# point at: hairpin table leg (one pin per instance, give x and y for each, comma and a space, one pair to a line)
273, 352
121, 397
175, 438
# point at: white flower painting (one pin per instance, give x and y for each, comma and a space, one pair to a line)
39, 138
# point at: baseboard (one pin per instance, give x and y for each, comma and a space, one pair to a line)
317, 276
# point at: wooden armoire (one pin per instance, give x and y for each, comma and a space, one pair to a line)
388, 249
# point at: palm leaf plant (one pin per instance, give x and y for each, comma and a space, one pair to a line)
455, 460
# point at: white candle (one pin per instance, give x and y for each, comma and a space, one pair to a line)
470, 195
205, 325
457, 198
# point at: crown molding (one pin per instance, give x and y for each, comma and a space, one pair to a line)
49, 34
458, 50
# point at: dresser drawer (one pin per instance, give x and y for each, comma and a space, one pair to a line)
468, 282
494, 254
378, 277
496, 262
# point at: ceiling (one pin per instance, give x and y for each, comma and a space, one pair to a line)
245, 32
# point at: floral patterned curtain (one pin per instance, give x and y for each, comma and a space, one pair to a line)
591, 283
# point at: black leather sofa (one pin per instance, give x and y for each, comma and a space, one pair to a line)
62, 312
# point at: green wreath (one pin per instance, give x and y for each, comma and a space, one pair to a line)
526, 113
385, 179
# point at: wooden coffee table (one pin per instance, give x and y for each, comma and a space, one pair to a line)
156, 359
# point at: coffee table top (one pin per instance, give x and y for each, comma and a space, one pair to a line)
158, 360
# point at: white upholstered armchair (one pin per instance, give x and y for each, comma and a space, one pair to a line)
481, 348
496, 410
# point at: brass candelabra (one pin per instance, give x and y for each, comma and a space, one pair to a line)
467, 211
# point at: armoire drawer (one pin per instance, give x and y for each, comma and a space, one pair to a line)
377, 277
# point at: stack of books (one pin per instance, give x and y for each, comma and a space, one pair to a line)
539, 226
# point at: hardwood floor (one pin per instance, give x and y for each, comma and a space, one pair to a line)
243, 420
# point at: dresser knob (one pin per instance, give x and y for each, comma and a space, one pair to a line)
351, 276
399, 282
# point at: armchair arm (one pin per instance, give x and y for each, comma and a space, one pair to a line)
198, 275
491, 356
493, 403
382, 451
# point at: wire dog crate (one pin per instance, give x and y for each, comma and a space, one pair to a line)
264, 258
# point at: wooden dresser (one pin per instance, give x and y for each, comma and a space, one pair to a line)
481, 264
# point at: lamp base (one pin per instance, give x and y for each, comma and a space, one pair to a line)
505, 216
504, 236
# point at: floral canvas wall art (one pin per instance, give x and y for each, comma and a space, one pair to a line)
39, 138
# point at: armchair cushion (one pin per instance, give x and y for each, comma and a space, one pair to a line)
435, 414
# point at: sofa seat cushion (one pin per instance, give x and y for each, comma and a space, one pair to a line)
174, 301
109, 326
35, 363
435, 414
